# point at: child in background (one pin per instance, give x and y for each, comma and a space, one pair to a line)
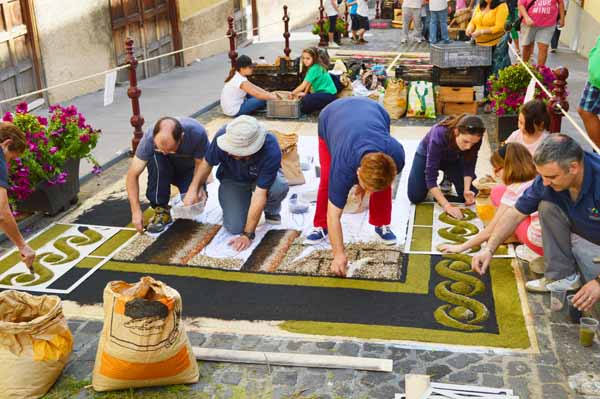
534, 122
513, 164
317, 90
355, 25
363, 20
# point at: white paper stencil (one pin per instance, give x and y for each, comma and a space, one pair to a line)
436, 239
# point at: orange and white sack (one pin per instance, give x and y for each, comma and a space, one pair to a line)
143, 341
35, 344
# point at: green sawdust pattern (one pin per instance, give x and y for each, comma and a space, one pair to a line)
461, 229
421, 239
416, 282
509, 315
467, 312
67, 254
113, 243
424, 214
35, 243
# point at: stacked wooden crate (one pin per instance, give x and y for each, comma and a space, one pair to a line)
456, 100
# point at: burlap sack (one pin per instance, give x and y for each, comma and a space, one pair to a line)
143, 342
395, 98
358, 201
347, 91
461, 18
290, 160
35, 344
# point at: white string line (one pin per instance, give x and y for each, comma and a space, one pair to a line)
119, 68
559, 106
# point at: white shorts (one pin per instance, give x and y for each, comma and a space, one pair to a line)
531, 34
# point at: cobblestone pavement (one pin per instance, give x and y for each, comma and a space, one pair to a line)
541, 375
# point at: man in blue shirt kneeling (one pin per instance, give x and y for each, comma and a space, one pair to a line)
567, 195
250, 176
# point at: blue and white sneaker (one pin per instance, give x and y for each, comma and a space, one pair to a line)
386, 235
317, 235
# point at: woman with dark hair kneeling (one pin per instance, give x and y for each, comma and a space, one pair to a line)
239, 96
317, 90
450, 146
355, 148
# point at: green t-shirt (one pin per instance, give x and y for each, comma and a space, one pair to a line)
594, 65
319, 80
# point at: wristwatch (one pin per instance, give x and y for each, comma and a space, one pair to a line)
250, 236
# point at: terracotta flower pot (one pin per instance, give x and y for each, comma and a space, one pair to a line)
505, 125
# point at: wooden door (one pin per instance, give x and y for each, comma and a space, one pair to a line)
153, 25
240, 24
19, 66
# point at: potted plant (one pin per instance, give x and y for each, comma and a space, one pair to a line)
507, 92
340, 26
46, 176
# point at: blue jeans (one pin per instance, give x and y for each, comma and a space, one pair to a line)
441, 18
250, 105
235, 197
315, 102
164, 170
417, 187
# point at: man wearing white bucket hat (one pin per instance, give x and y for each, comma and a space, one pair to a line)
251, 181
172, 151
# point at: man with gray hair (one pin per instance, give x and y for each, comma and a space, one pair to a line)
567, 196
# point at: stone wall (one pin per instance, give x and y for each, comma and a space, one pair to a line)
582, 26
271, 11
75, 40
202, 25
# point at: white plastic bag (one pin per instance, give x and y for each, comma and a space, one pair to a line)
180, 211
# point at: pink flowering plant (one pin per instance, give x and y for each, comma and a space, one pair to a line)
52, 141
507, 90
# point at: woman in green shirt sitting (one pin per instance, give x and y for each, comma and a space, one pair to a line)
317, 90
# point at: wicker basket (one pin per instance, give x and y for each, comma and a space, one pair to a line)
283, 108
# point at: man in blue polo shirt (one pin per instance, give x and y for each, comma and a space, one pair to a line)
250, 176
172, 151
567, 196
355, 148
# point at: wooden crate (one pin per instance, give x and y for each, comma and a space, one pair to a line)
459, 108
450, 94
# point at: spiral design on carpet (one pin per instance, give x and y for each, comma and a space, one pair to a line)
461, 229
462, 312
66, 252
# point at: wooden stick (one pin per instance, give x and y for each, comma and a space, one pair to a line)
389, 70
293, 359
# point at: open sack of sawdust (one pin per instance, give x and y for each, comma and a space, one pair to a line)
143, 342
290, 160
35, 344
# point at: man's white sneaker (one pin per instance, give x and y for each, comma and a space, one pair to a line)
569, 283
544, 284
524, 253
333, 45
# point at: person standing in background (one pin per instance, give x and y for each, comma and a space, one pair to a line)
589, 106
539, 22
557, 30
363, 13
425, 18
331, 8
513, 16
411, 11
439, 15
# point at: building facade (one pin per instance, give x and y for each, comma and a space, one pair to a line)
47, 42
582, 25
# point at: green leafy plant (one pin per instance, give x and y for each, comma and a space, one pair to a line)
340, 26
507, 90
